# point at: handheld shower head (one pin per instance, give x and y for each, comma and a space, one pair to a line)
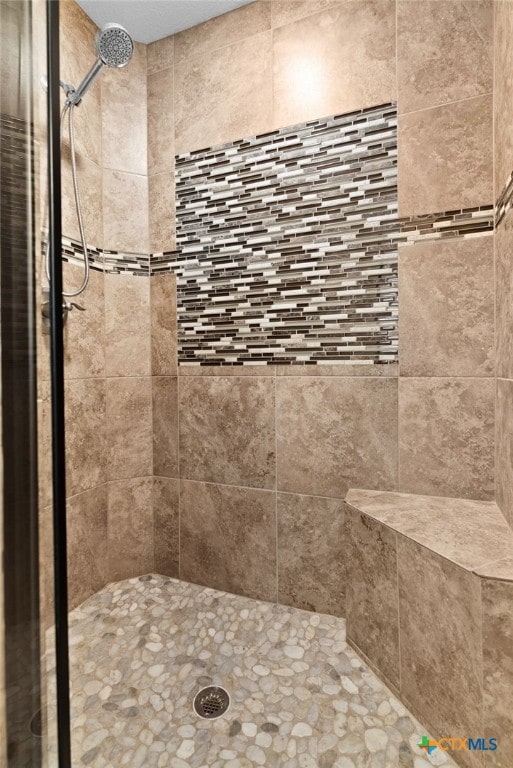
115, 48
114, 45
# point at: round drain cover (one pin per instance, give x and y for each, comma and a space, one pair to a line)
211, 702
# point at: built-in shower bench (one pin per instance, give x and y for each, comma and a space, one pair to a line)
430, 606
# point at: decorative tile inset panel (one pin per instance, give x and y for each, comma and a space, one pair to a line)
286, 245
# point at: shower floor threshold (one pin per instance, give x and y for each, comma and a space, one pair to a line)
300, 697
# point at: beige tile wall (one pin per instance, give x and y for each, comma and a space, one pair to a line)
306, 435
108, 348
503, 259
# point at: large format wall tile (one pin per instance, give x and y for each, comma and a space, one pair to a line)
228, 538
160, 54
163, 325
129, 428
441, 667
85, 406
447, 437
223, 30
161, 203
130, 527
504, 448
446, 308
166, 525
498, 669
334, 433
336, 61
371, 596
125, 211
287, 11
127, 325
124, 128
165, 425
87, 544
504, 296
90, 180
84, 332
311, 553
224, 94
161, 135
503, 93
444, 51
227, 430
77, 55
445, 157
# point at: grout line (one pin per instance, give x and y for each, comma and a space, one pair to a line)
276, 527
446, 104
398, 611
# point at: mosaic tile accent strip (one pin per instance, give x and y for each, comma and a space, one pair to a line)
505, 201
286, 247
116, 262
467, 222
300, 696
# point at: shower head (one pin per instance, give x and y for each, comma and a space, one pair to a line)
115, 48
114, 45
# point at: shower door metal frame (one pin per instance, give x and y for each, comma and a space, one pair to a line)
57, 386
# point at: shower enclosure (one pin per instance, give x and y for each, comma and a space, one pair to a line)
257, 404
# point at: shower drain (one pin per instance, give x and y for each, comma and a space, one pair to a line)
211, 702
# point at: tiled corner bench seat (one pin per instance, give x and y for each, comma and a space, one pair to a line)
430, 605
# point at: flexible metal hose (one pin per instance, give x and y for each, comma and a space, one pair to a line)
70, 294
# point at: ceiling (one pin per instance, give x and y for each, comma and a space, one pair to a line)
149, 20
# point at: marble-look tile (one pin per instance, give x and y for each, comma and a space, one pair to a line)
503, 93
129, 428
46, 570
224, 95
125, 211
127, 325
440, 640
388, 370
288, 11
166, 525
446, 437
334, 433
497, 600
161, 128
84, 332
165, 425
124, 115
504, 448
223, 30
504, 296
163, 325
227, 370
444, 52
311, 553
446, 308
87, 544
466, 532
228, 538
371, 592
77, 56
90, 181
445, 157
161, 202
73, 18
333, 62
160, 54
501, 570
227, 430
130, 527
85, 411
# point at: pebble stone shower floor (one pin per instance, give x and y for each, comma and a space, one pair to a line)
300, 696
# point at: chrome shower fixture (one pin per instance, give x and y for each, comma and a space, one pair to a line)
115, 48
